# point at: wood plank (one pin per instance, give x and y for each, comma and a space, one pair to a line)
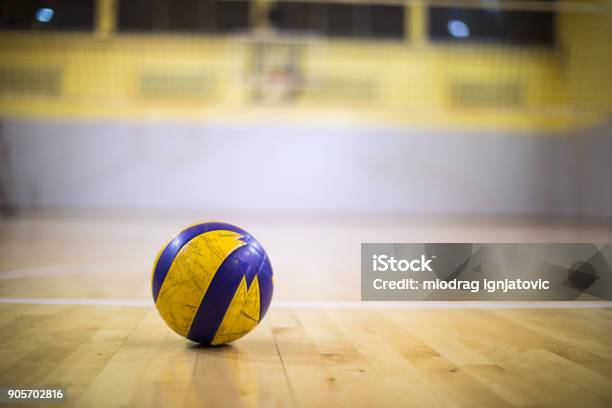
519, 352
369, 333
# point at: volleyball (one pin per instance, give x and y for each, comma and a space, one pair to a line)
212, 283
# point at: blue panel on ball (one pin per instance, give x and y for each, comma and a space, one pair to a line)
265, 287
249, 260
174, 246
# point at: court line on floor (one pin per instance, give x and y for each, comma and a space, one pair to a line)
329, 305
67, 270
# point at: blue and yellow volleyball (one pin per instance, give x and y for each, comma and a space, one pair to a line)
212, 283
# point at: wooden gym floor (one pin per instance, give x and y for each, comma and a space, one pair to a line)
75, 311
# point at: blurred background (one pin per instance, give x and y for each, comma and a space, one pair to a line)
423, 108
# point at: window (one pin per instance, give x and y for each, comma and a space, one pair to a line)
75, 15
206, 16
340, 19
492, 25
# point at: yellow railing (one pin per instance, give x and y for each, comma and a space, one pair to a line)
263, 75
